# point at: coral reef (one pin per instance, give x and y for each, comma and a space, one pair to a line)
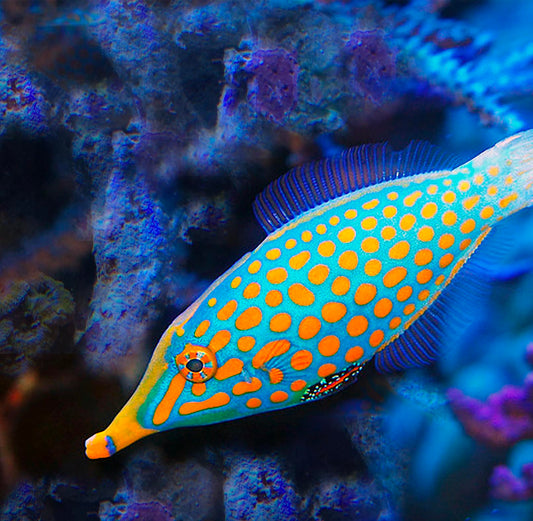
134, 136
34, 316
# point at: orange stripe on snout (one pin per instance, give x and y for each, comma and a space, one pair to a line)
164, 408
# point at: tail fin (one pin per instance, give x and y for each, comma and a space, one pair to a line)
507, 171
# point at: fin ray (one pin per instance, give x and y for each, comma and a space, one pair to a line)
312, 184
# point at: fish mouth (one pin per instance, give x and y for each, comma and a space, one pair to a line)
99, 446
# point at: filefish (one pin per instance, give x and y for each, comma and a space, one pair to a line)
365, 255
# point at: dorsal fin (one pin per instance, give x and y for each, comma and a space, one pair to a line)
452, 311
312, 184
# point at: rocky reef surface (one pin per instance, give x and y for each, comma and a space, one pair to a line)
134, 136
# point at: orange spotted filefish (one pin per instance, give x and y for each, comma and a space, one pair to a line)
364, 254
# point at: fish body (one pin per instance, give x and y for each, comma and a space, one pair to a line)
337, 281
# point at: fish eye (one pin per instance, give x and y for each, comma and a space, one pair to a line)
197, 364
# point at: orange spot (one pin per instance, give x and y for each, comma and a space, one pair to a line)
373, 267
465, 244
395, 322
329, 345
220, 340
392, 196
349, 214
394, 276
211, 302
198, 389
492, 190
346, 235
400, 250
301, 360
307, 236
426, 233
273, 254
254, 403
463, 186
299, 260
382, 308
487, 212
447, 182
424, 294
353, 354
246, 343
298, 385
423, 257
318, 274
217, 400
404, 293
449, 218
370, 205
439, 280
493, 170
280, 322
235, 282
448, 197
357, 325
389, 211
509, 179
277, 275
254, 267
348, 260
506, 201
202, 328
165, 406
369, 223
468, 226
275, 375
407, 310
326, 369
309, 327
321, 229
365, 293
388, 233
326, 248
370, 245
411, 199
478, 179
249, 318
300, 295
227, 310
429, 210
290, 244
432, 189
247, 387
446, 241
273, 298
269, 351
470, 202
334, 220
424, 276
232, 367
333, 311
376, 338
252, 290
446, 260
407, 222
279, 396
340, 286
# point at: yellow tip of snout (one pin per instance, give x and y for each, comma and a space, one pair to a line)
99, 446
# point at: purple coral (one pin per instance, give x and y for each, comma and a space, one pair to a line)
273, 88
504, 419
371, 64
505, 485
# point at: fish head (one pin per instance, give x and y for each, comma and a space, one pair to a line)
190, 383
